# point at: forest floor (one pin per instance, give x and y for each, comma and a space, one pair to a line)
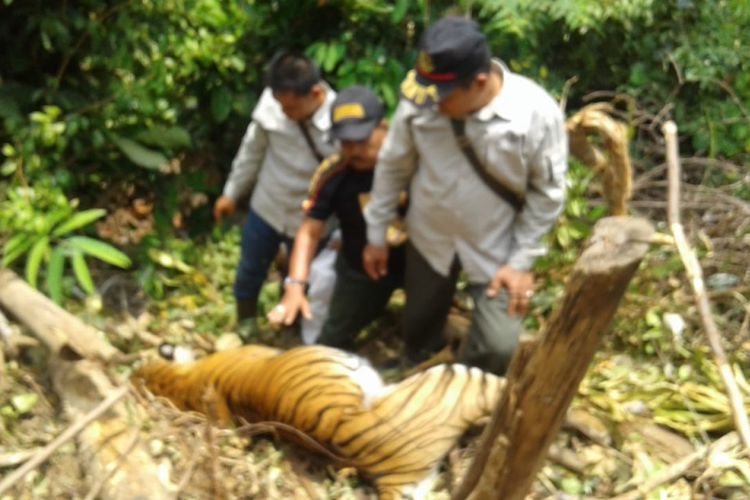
652, 397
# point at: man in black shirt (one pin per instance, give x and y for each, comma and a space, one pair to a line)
340, 187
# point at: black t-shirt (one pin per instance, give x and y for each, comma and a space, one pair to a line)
335, 190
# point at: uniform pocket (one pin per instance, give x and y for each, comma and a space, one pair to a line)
504, 159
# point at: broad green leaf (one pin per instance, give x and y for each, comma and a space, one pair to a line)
52, 218
373, 6
15, 241
100, 250
165, 137
138, 154
334, 54
389, 95
221, 103
16, 246
34, 261
78, 221
317, 52
399, 11
81, 271
55, 274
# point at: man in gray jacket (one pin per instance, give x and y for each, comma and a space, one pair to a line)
288, 136
484, 153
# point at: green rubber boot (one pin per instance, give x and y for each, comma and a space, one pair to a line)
247, 325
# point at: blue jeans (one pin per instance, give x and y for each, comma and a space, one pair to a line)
260, 244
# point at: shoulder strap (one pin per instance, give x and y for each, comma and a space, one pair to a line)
310, 142
503, 191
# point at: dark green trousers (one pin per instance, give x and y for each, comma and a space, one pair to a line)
356, 302
493, 335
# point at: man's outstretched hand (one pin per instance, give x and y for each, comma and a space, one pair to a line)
292, 304
375, 261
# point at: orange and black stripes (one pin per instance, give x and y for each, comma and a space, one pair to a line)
397, 441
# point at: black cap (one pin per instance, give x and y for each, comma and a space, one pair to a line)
450, 51
355, 113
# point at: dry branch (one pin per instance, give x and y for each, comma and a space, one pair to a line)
612, 160
68, 434
679, 468
15, 458
695, 273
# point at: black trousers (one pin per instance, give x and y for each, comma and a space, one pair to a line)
356, 302
493, 335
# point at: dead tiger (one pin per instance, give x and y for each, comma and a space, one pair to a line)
395, 435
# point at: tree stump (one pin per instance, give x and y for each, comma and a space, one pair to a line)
544, 375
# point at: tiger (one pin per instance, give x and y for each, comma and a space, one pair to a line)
395, 435
400, 443
309, 388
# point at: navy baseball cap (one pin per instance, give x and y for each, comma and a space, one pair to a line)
355, 113
450, 51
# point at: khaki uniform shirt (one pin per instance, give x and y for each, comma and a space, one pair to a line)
275, 154
519, 137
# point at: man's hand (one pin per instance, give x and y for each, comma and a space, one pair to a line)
375, 261
224, 207
293, 302
520, 286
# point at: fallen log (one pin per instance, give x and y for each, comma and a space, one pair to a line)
66, 336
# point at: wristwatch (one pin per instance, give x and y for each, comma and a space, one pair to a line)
294, 281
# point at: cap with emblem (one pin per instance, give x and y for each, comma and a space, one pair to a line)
450, 51
355, 113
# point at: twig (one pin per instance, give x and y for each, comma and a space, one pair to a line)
97, 488
567, 458
14, 458
68, 434
213, 454
729, 90
745, 328
5, 330
566, 91
82, 39
695, 273
302, 479
679, 468
186, 476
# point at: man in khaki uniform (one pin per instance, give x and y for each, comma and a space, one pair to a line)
287, 138
484, 153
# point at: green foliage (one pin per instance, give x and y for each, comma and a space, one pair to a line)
94, 91
693, 56
156, 95
42, 224
575, 223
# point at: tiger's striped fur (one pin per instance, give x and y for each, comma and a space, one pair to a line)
415, 423
394, 435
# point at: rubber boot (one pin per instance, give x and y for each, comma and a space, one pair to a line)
247, 326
